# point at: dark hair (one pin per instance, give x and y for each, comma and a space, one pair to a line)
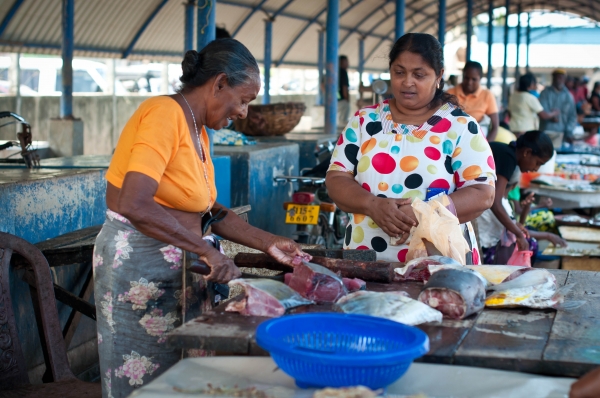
526, 81
227, 56
430, 49
596, 85
343, 58
539, 143
474, 65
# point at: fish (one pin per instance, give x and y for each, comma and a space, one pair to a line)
265, 297
395, 306
417, 269
351, 284
534, 289
455, 293
496, 274
464, 268
317, 283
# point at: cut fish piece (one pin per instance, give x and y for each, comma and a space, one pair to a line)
265, 297
534, 289
417, 269
496, 274
455, 293
354, 284
317, 283
390, 305
436, 268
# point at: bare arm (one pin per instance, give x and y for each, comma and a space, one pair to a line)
471, 201
503, 216
548, 115
235, 229
596, 103
393, 216
136, 203
493, 132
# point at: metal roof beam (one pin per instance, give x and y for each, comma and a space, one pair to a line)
366, 18
10, 14
143, 28
247, 18
283, 7
299, 35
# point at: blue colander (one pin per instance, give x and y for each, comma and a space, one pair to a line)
340, 350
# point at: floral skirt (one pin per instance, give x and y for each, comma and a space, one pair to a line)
138, 285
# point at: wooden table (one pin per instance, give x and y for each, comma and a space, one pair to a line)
564, 343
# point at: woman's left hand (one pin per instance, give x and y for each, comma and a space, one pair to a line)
286, 251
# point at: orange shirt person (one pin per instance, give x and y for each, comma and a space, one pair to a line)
476, 100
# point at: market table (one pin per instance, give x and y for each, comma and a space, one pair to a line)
194, 375
567, 199
561, 343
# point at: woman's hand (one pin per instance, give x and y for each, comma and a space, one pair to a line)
528, 200
522, 243
394, 216
555, 240
286, 251
588, 386
222, 268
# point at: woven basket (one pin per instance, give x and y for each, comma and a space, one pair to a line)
272, 119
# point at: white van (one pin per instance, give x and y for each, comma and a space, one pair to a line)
43, 75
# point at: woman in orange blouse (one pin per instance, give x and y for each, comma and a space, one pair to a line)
160, 185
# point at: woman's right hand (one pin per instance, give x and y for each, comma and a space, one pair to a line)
222, 268
522, 243
389, 215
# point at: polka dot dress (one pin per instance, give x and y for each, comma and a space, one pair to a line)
392, 160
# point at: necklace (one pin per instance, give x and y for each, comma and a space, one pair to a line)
202, 156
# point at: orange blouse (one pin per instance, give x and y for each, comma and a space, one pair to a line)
156, 141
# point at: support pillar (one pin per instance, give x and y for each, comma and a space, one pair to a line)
504, 64
14, 77
361, 59
517, 67
528, 38
111, 89
321, 67
68, 31
332, 83
266, 99
188, 27
206, 23
469, 28
164, 78
442, 22
400, 15
490, 43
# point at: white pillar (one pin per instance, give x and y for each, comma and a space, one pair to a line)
164, 78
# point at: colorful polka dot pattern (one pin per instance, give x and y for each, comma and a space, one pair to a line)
392, 160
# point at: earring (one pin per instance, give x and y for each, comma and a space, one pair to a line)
438, 85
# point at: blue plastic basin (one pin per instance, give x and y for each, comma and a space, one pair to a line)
339, 350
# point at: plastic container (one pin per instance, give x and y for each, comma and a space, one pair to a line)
340, 350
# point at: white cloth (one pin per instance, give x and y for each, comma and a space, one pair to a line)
524, 108
490, 228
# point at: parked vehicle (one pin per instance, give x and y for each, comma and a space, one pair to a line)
319, 221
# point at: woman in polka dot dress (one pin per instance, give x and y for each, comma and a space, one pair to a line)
419, 144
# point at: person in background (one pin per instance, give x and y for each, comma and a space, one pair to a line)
525, 108
528, 153
476, 100
344, 92
452, 82
557, 96
595, 97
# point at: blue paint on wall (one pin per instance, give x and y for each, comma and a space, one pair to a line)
252, 171
222, 166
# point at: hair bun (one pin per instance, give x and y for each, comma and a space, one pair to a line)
190, 63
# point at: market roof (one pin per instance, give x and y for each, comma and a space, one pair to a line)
154, 29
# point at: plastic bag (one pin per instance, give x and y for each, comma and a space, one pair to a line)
522, 258
440, 227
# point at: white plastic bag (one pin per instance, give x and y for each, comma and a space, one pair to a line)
438, 226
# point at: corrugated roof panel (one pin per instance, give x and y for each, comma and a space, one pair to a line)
112, 24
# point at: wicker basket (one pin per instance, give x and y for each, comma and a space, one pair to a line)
272, 119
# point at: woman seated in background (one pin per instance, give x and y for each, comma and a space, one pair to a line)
528, 153
525, 108
595, 97
477, 101
419, 144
